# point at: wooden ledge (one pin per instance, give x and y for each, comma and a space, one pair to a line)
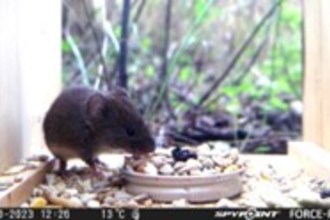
302, 155
19, 192
313, 158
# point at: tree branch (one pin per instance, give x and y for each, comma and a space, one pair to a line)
252, 61
164, 70
139, 11
122, 59
238, 54
97, 41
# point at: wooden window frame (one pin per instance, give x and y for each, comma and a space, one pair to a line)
26, 61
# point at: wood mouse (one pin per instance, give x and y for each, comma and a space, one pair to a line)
82, 123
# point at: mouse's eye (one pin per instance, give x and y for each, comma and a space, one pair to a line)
130, 131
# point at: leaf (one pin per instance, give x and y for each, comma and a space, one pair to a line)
290, 14
278, 103
234, 106
146, 43
246, 87
117, 31
199, 7
230, 91
262, 149
185, 73
150, 71
283, 86
66, 48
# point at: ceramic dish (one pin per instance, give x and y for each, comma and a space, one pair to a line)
204, 188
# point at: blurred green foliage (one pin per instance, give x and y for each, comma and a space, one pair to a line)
280, 72
204, 35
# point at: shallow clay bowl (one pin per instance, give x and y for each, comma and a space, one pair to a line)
206, 188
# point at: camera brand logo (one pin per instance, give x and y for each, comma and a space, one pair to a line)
250, 214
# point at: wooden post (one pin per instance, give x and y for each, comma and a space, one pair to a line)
325, 72
316, 123
10, 88
314, 152
30, 58
312, 94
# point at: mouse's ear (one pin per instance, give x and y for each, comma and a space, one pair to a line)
96, 105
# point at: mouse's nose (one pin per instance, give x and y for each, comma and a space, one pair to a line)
151, 145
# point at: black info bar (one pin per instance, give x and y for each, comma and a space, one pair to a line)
163, 213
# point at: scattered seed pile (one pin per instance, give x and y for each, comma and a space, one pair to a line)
207, 159
263, 186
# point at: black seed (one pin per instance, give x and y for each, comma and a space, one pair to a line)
325, 193
183, 155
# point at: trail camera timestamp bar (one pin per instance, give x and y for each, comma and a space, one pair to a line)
173, 214
67, 214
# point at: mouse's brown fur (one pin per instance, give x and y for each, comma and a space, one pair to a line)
83, 122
